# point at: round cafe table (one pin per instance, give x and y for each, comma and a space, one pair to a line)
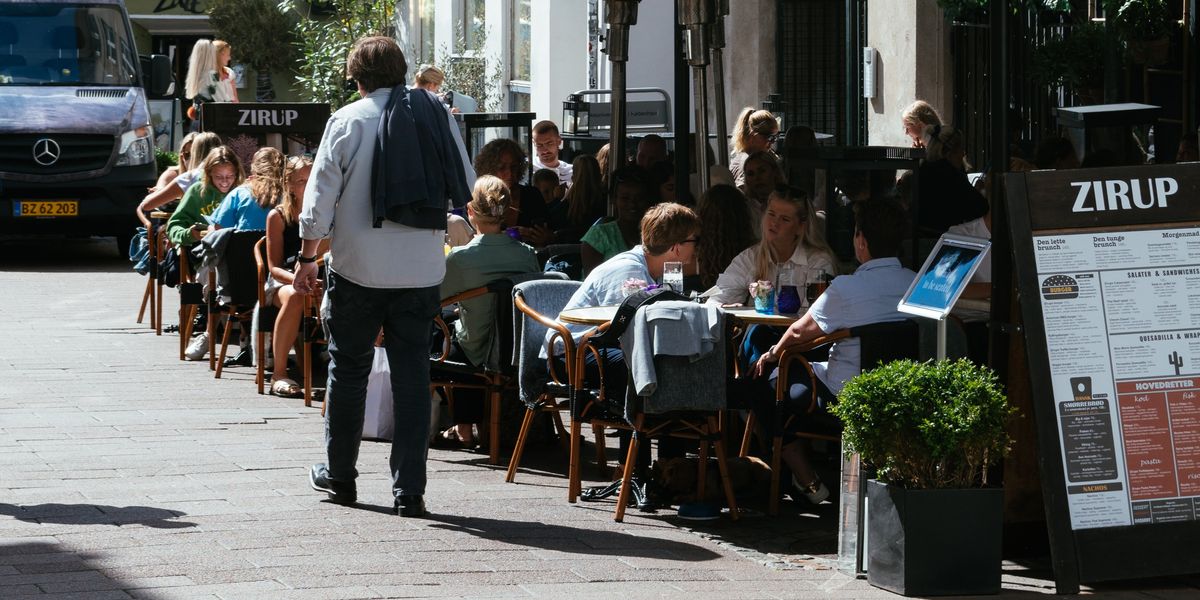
746, 315
588, 315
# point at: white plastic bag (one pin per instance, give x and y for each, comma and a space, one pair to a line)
378, 420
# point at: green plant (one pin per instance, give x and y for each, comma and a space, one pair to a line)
1139, 20
467, 73
164, 159
956, 10
324, 43
1075, 61
926, 424
260, 34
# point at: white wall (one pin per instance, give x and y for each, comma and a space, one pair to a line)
751, 58
559, 54
912, 38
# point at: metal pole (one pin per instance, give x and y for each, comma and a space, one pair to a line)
696, 18
941, 338
718, 65
683, 149
620, 15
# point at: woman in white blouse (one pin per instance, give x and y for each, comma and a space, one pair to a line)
790, 234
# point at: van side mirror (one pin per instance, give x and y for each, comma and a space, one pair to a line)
159, 80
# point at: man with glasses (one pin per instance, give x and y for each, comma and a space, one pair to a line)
546, 144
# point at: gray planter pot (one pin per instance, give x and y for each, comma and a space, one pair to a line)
934, 542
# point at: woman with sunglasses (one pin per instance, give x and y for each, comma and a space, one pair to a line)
754, 131
190, 172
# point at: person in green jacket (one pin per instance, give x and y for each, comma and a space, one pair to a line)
222, 171
489, 256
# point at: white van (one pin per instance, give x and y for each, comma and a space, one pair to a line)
76, 142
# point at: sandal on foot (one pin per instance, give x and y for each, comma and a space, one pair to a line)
286, 388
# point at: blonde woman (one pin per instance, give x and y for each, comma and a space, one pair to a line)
226, 80
754, 131
490, 256
222, 171
245, 208
202, 79
185, 158
946, 197
916, 118
283, 244
790, 234
201, 145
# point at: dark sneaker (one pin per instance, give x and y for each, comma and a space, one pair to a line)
409, 506
340, 492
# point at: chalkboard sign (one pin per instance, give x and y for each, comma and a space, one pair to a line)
1108, 265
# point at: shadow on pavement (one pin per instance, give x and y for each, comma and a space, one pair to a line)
62, 255
41, 569
582, 540
96, 514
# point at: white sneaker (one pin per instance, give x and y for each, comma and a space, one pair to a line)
197, 348
815, 492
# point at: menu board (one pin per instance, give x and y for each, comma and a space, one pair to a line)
1122, 328
1108, 273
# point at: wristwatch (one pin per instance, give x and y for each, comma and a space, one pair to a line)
306, 259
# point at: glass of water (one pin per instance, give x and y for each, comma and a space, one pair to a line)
673, 276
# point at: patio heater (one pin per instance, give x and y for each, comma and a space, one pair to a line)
696, 17
718, 64
620, 15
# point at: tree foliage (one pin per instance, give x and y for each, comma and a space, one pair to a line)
468, 73
926, 424
259, 32
324, 42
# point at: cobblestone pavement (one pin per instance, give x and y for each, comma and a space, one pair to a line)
125, 473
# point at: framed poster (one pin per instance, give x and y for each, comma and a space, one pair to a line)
1108, 267
944, 276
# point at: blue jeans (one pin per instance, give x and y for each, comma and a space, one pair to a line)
353, 315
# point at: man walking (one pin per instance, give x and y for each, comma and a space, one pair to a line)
381, 178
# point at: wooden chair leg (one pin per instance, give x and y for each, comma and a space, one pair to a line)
573, 484
220, 363
601, 449
260, 354
745, 449
723, 466
308, 383
626, 479
515, 461
186, 313
147, 298
494, 427
776, 462
212, 338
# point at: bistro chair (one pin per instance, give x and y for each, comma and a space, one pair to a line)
497, 374
191, 296
879, 343
264, 316
235, 277
313, 332
542, 389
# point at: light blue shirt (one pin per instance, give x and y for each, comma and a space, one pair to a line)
869, 295
337, 205
603, 287
239, 210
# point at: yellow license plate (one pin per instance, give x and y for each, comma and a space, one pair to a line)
46, 208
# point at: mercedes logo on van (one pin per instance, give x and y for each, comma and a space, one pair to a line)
46, 152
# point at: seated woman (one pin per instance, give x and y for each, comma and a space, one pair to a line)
945, 196
608, 239
221, 171
870, 295
762, 174
504, 158
754, 131
725, 231
916, 118
790, 236
185, 159
490, 256
246, 207
283, 244
202, 144
583, 203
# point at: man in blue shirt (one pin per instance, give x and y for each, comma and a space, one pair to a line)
869, 295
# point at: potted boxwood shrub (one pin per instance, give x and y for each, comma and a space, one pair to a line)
1076, 62
1144, 26
931, 430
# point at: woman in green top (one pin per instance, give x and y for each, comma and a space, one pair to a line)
221, 172
491, 255
606, 240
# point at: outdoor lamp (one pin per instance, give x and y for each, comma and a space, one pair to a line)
575, 115
778, 107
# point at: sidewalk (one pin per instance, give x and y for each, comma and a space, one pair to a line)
128, 474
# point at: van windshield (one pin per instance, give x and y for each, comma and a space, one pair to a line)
65, 44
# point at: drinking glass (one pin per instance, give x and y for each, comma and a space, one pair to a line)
673, 275
817, 282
